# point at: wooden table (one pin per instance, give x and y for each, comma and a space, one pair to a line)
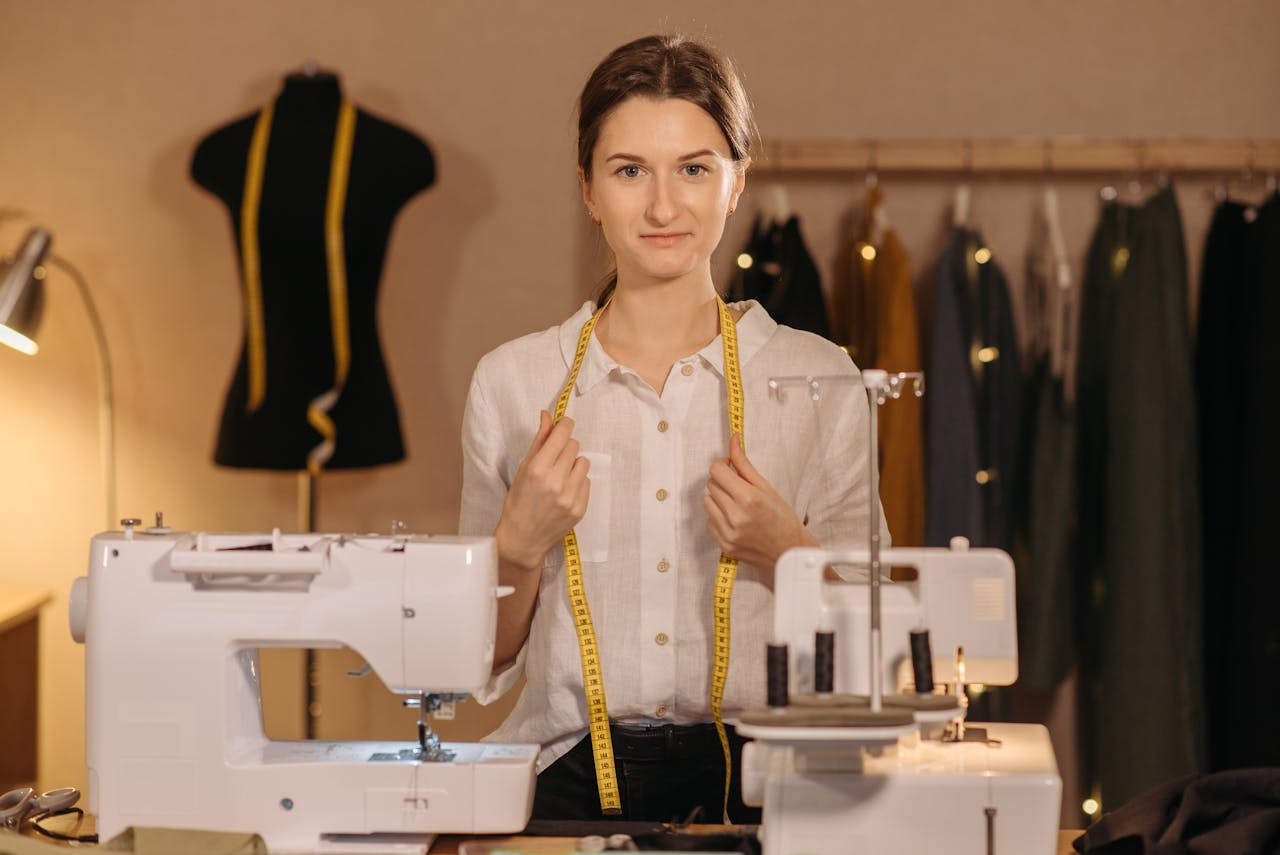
463, 844
19, 642
451, 844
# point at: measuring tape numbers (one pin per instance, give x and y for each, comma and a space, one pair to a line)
726, 572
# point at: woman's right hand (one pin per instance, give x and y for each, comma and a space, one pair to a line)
547, 498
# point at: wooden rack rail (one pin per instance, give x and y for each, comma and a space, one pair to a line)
1026, 156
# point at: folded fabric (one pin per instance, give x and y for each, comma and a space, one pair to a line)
146, 841
1236, 812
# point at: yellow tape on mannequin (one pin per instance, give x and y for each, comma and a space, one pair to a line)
335, 256
250, 263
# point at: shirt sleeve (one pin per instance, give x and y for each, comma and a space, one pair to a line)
484, 488
838, 512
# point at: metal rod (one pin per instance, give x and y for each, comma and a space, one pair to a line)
106, 388
879, 385
877, 653
1026, 156
310, 662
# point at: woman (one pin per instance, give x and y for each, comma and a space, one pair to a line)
643, 468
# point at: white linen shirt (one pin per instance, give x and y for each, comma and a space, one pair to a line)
648, 558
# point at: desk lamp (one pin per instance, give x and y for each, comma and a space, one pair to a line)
22, 277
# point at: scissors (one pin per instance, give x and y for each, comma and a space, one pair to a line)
17, 806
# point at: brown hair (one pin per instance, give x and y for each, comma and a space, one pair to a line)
664, 67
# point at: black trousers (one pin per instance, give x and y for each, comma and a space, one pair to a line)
664, 773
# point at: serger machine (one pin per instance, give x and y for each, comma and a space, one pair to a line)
842, 766
171, 624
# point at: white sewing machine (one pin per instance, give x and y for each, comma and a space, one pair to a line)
897, 784
175, 738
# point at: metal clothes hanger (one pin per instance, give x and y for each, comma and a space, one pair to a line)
778, 208
1139, 184
1248, 188
1061, 299
961, 210
877, 211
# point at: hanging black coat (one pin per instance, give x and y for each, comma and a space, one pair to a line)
973, 400
1237, 363
781, 275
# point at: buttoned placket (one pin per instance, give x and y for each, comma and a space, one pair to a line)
662, 505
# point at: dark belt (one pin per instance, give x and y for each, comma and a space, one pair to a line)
666, 741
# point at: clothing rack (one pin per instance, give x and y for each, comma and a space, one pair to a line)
1021, 156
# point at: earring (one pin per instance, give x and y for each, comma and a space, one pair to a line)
730, 212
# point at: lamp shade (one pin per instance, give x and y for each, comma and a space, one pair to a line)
22, 292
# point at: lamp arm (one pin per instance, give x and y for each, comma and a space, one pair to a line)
106, 389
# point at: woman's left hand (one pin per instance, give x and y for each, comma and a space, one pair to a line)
746, 516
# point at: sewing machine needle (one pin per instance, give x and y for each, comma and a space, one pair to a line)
422, 725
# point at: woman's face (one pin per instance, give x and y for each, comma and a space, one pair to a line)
662, 183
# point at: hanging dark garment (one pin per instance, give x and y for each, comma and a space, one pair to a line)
783, 277
973, 400
1237, 363
1044, 536
1141, 700
1045, 508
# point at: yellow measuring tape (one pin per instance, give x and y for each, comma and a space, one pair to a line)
726, 572
250, 263
335, 256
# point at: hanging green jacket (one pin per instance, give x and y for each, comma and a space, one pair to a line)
1140, 525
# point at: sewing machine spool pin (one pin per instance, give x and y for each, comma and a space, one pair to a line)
824, 661
921, 661
776, 676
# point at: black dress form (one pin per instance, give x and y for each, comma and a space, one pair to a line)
388, 166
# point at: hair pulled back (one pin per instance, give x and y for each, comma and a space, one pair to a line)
666, 66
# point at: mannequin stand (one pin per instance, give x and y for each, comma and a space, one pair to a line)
310, 669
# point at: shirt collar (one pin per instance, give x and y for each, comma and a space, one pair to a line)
754, 329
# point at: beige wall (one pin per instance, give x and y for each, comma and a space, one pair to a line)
103, 103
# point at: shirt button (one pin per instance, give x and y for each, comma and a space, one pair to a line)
661, 711
662, 495
664, 565
662, 427
686, 370
661, 638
